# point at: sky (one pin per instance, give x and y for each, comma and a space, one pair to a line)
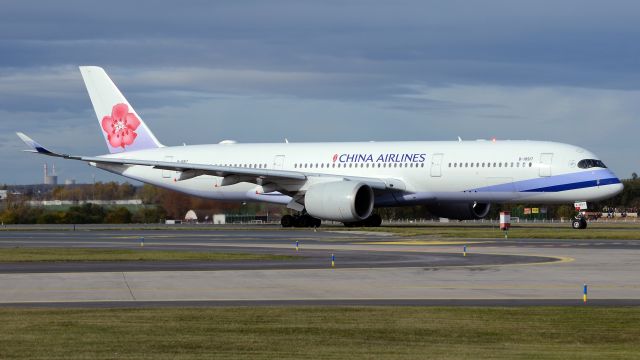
261, 71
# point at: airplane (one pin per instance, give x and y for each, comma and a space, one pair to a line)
345, 181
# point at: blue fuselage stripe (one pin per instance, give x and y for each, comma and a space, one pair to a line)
575, 185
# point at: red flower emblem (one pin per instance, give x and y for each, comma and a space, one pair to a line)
335, 157
120, 126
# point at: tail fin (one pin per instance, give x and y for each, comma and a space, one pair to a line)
121, 126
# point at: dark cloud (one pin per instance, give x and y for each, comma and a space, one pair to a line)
362, 70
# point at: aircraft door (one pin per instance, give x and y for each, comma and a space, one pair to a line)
278, 162
545, 164
436, 165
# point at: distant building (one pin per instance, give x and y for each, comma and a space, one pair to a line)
70, 182
50, 179
3, 194
191, 216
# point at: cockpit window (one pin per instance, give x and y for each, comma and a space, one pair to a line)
591, 163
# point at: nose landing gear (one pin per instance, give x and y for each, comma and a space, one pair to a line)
579, 222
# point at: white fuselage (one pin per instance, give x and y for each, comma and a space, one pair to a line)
426, 172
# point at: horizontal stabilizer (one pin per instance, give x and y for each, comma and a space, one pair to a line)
36, 147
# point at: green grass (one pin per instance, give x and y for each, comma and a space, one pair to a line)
487, 232
321, 333
92, 254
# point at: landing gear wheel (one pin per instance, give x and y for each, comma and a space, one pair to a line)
304, 221
287, 221
301, 221
576, 224
579, 223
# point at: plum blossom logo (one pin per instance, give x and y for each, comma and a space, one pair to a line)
335, 157
120, 126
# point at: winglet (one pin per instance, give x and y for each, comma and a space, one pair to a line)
35, 147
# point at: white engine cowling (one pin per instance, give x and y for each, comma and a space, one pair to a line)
343, 201
461, 211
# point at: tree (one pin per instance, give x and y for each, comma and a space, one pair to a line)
119, 215
149, 215
85, 214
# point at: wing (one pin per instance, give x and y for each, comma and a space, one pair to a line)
230, 174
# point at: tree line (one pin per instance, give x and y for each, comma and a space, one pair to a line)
160, 204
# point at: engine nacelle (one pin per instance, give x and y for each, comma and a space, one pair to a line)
461, 211
344, 201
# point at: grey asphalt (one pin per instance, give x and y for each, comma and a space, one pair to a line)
271, 241
369, 270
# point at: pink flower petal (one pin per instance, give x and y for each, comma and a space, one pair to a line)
132, 121
128, 136
107, 124
114, 140
119, 111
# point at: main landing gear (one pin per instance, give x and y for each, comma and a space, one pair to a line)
300, 221
307, 220
372, 221
579, 223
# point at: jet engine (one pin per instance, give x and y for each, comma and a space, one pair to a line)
344, 201
461, 211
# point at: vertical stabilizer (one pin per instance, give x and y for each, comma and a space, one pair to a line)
121, 126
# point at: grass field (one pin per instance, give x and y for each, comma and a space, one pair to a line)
92, 254
530, 232
321, 333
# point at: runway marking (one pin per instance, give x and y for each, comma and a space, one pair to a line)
559, 259
424, 242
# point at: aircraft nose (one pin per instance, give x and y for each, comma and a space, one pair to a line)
616, 189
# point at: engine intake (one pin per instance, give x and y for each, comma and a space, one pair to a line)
339, 201
461, 211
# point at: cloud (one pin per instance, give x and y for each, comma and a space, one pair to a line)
409, 69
